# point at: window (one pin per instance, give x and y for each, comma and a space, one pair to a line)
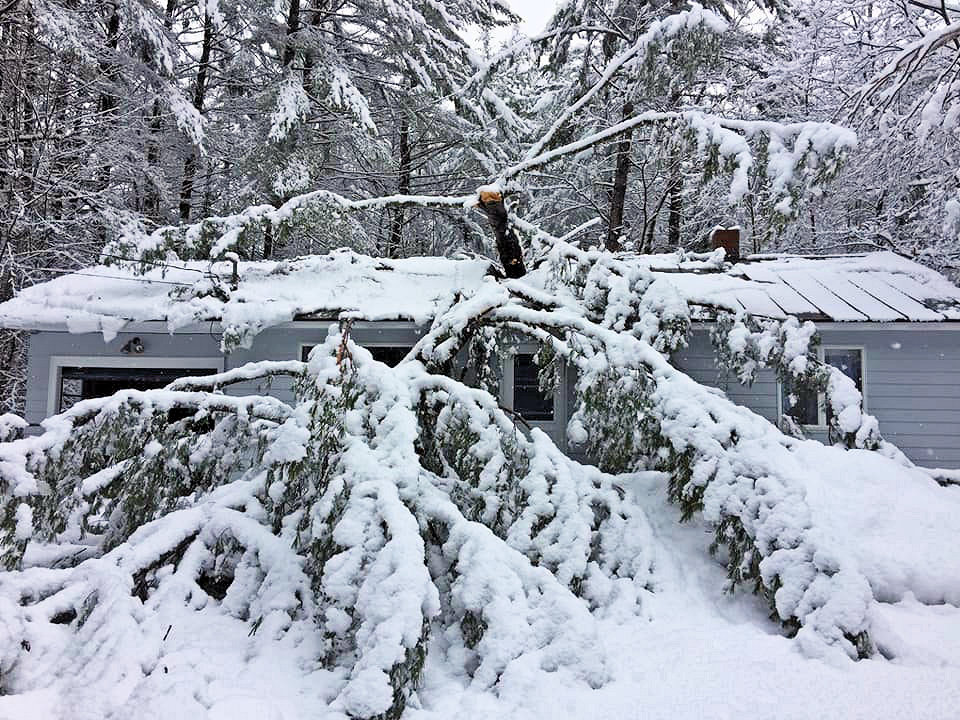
801, 405
809, 408
82, 383
389, 355
849, 361
529, 401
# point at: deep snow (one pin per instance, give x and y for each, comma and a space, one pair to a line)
694, 652
701, 653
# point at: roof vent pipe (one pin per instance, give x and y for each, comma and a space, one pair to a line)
729, 240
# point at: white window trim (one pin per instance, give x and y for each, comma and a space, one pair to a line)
821, 398
506, 387
58, 362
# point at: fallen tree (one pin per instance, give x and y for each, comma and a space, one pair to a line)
390, 513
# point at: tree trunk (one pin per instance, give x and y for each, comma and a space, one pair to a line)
108, 102
151, 203
293, 25
13, 346
674, 216
199, 96
319, 13
618, 195
508, 244
271, 246
268, 244
395, 244
28, 122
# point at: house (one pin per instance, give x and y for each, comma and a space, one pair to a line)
892, 325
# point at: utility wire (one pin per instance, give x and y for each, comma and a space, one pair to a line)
112, 277
133, 279
153, 262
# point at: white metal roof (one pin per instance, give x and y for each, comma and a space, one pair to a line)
877, 287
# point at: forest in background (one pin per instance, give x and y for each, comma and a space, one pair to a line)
128, 116
389, 541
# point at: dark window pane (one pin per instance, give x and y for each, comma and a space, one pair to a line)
71, 392
389, 354
528, 400
83, 383
801, 405
848, 361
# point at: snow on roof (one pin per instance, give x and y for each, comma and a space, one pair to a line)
105, 298
872, 287
876, 287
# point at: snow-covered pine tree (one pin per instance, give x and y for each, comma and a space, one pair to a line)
653, 183
386, 509
81, 85
885, 69
743, 345
361, 103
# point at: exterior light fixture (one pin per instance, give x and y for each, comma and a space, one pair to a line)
133, 347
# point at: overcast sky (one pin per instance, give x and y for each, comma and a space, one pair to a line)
535, 13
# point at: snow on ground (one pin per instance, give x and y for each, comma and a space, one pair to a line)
208, 667
701, 653
898, 523
694, 652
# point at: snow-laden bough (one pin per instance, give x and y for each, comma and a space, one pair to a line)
388, 514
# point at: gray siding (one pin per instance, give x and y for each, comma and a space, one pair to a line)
45, 345
911, 381
697, 361
272, 344
912, 376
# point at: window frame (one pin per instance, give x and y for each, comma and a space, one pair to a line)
58, 362
507, 387
821, 397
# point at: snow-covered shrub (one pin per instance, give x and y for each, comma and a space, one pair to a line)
11, 427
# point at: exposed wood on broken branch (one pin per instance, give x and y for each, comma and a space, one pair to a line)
508, 244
